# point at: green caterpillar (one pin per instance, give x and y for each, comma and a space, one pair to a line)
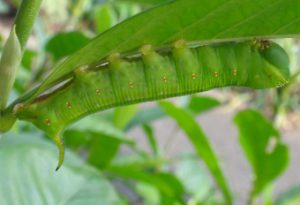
152, 74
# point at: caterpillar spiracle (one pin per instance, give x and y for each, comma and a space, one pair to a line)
151, 74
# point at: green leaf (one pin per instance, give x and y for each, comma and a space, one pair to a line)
202, 104
146, 116
28, 59
103, 124
99, 137
123, 115
151, 139
166, 183
289, 197
204, 21
27, 176
64, 44
103, 149
267, 195
202, 146
105, 17
102, 144
263, 147
149, 193
126, 10
196, 104
75, 139
191, 173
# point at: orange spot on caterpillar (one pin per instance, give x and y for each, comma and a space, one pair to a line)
194, 76
165, 79
180, 44
234, 72
81, 69
115, 57
47, 122
98, 92
216, 74
68, 104
261, 44
147, 49
131, 84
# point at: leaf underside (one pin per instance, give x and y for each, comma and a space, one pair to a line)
203, 21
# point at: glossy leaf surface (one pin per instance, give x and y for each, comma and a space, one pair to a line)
202, 146
27, 176
262, 145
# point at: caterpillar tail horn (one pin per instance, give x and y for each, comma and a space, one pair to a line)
61, 148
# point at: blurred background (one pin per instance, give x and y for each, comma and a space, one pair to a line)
136, 154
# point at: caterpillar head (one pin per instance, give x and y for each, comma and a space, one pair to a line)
276, 71
276, 56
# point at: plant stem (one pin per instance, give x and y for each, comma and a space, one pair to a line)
283, 95
252, 196
9, 65
25, 19
13, 53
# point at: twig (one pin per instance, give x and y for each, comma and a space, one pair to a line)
13, 53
